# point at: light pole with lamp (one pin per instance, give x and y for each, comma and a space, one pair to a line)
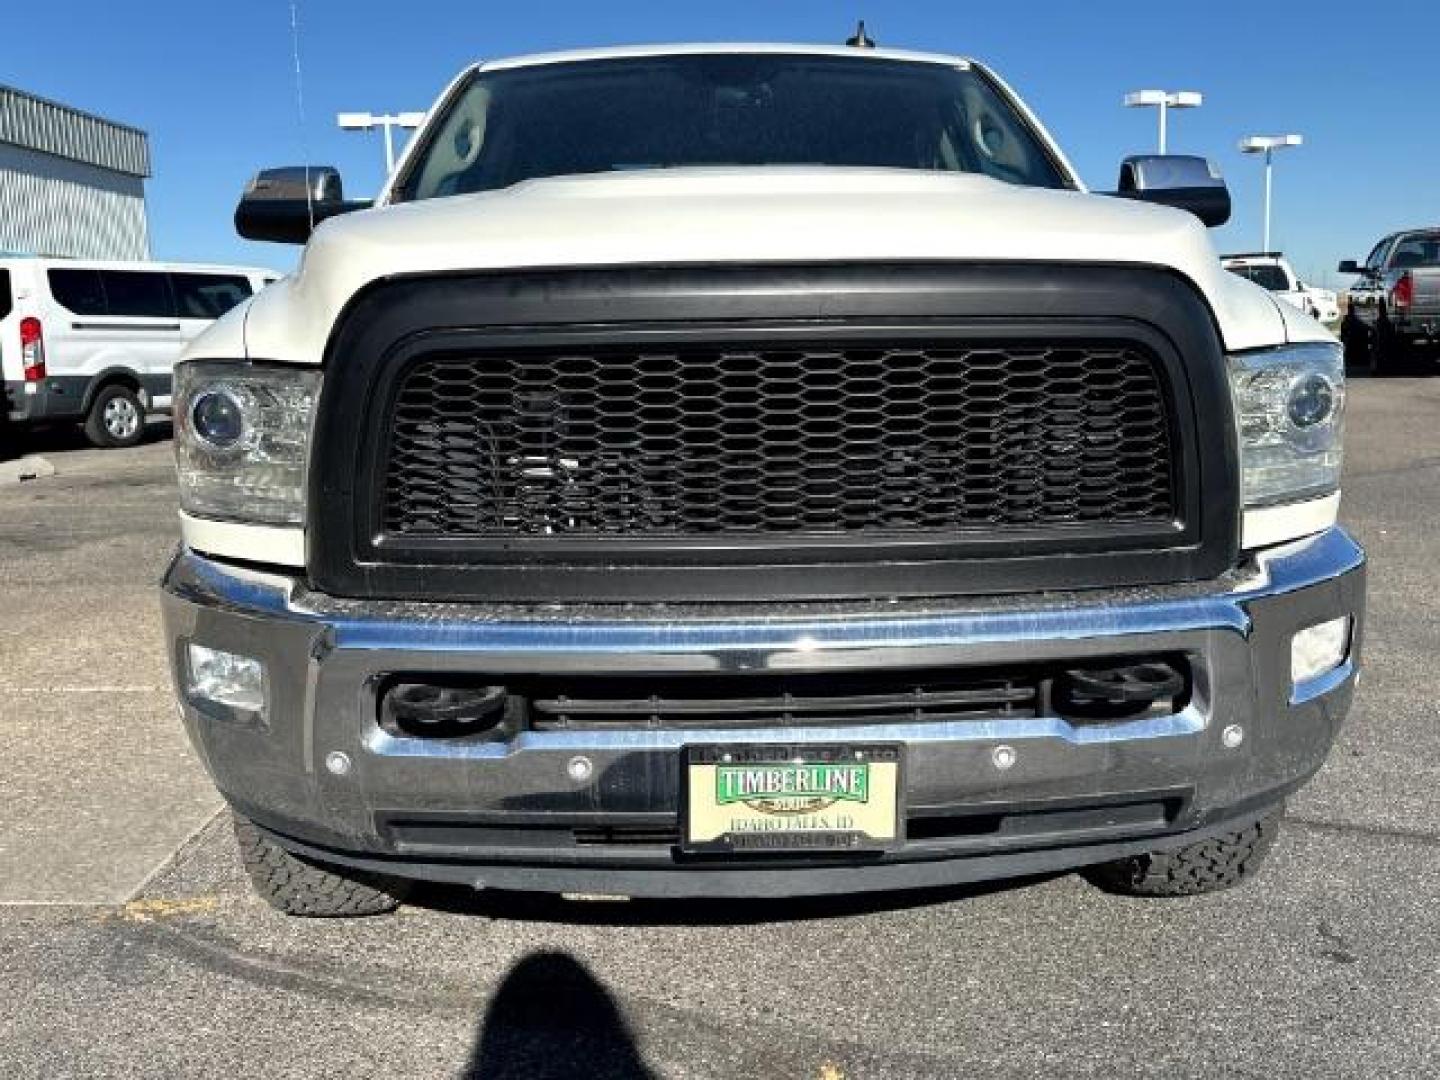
1164, 100
1267, 145
364, 121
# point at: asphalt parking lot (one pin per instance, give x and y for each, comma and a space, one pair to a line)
131, 946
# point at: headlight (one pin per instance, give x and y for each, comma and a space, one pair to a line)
1289, 404
242, 438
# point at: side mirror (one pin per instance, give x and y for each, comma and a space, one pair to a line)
285, 205
1178, 180
1350, 266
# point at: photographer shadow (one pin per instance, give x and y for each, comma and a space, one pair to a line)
551, 1019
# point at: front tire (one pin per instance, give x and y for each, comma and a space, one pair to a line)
1356, 340
116, 417
1210, 865
299, 886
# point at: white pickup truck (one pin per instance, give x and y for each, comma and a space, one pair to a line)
755, 470
1271, 270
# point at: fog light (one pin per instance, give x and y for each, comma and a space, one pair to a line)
1319, 648
225, 678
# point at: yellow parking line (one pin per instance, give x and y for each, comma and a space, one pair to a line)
153, 910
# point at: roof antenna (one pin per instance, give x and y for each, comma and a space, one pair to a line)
861, 40
300, 106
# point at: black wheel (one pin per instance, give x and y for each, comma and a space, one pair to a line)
116, 417
1203, 867
299, 886
1356, 340
1389, 354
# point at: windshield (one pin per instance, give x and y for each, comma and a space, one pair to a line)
1267, 274
597, 116
1416, 251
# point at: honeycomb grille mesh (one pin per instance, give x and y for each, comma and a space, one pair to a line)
701, 441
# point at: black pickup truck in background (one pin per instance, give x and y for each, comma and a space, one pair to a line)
1392, 321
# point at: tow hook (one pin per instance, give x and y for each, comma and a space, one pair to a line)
1120, 691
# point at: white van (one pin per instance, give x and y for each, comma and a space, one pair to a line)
95, 342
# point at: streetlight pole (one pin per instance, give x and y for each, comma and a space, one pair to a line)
364, 121
1164, 100
1267, 145
1269, 190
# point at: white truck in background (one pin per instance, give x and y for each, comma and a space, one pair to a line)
1273, 271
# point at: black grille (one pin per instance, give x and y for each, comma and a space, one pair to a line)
797, 701
703, 441
771, 433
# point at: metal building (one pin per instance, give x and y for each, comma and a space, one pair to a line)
71, 184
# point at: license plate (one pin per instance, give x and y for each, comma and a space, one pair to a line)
792, 798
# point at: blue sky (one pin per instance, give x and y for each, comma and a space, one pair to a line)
215, 87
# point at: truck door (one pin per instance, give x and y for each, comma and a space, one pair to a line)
141, 321
1366, 292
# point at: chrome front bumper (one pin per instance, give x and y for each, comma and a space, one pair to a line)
505, 814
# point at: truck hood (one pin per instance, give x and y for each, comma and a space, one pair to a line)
750, 215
